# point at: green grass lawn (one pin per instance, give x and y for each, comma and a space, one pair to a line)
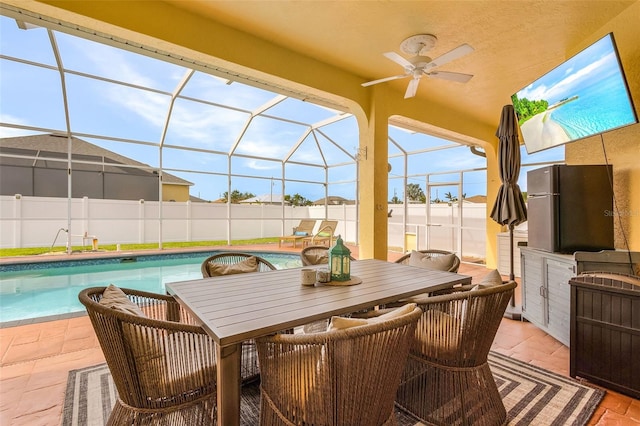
31, 251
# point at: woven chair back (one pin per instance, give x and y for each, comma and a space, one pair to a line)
433, 253
163, 364
231, 258
335, 377
447, 378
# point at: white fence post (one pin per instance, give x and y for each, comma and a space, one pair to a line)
141, 225
189, 220
17, 223
85, 216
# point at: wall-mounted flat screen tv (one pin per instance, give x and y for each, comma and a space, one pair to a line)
584, 96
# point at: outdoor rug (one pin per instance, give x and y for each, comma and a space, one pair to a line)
531, 395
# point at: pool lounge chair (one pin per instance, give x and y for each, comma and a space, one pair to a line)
304, 229
324, 235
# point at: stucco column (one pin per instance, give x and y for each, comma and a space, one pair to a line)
373, 180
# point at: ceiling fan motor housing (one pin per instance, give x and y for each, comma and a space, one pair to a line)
417, 44
420, 61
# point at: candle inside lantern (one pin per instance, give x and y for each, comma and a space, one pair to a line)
340, 261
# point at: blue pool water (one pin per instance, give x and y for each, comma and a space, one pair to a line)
40, 290
597, 109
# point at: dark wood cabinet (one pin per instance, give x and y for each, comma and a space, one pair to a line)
605, 330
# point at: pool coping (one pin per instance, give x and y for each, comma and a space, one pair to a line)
28, 321
9, 264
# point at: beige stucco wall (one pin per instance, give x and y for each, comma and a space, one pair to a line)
175, 192
620, 148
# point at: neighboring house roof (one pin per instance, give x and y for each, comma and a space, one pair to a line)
477, 199
333, 200
195, 199
81, 149
265, 199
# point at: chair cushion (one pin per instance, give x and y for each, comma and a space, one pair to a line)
317, 259
434, 263
324, 234
113, 297
298, 377
300, 234
402, 310
250, 264
493, 278
443, 336
341, 323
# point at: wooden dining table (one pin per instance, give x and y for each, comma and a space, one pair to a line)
236, 308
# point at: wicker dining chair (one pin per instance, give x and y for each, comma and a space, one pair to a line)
249, 367
342, 377
162, 363
447, 379
233, 258
432, 253
316, 255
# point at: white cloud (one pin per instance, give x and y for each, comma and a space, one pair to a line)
567, 85
189, 120
262, 165
262, 148
8, 132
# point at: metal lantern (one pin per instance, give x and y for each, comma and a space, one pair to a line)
340, 261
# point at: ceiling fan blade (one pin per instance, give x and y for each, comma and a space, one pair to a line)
456, 53
452, 76
398, 59
382, 80
412, 88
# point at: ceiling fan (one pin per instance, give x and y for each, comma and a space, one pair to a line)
420, 65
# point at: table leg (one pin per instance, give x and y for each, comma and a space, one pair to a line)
229, 385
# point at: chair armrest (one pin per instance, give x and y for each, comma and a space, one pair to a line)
324, 229
464, 291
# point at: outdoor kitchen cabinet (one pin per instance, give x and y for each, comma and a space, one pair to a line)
546, 293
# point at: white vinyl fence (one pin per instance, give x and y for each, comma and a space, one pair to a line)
40, 221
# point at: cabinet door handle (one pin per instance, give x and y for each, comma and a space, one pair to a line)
542, 292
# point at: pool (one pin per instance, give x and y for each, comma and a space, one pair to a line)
42, 291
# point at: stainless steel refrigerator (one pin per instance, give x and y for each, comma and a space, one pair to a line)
570, 208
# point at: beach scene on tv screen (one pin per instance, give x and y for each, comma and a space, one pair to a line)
584, 96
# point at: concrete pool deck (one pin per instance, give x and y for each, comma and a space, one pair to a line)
103, 254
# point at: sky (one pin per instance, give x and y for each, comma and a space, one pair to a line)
126, 108
571, 76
